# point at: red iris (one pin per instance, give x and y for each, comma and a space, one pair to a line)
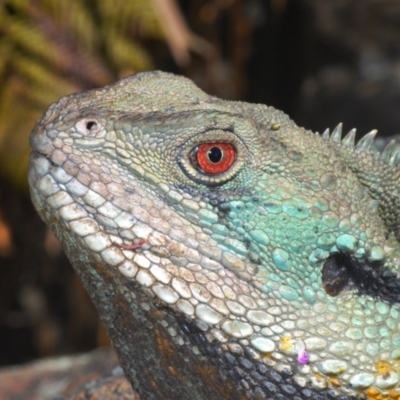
215, 158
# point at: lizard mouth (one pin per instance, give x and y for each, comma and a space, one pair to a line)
343, 271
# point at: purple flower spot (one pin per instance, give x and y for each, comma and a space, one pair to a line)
303, 357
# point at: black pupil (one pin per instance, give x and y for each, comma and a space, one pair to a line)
215, 155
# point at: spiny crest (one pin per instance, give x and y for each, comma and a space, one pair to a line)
389, 155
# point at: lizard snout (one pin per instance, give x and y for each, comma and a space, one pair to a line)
40, 142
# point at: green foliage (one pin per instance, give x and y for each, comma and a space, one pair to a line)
50, 48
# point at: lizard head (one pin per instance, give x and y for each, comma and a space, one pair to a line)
273, 249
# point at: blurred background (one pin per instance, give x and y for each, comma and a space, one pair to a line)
322, 62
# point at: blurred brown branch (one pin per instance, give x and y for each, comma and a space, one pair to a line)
180, 39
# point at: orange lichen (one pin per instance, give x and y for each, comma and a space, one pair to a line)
319, 377
384, 368
268, 356
334, 381
395, 394
376, 394
285, 343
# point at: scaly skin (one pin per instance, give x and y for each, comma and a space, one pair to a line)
275, 278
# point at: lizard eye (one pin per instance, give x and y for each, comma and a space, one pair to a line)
214, 158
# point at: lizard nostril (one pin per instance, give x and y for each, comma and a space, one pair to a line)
91, 125
90, 128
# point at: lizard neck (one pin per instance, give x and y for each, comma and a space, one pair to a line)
152, 358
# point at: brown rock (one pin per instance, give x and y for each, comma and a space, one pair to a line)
95, 376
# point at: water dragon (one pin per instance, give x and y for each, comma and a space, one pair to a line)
230, 253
